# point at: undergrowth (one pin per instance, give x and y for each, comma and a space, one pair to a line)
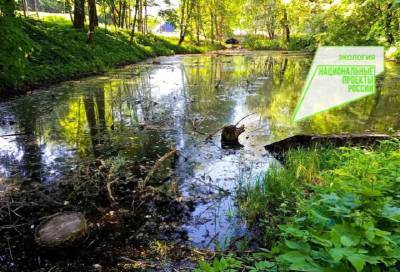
328, 209
258, 42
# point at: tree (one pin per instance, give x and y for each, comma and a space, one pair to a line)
7, 8
79, 14
185, 15
92, 21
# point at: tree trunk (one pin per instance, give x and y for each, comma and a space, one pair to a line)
105, 17
113, 11
134, 22
123, 14
92, 21
212, 28
35, 8
69, 9
388, 23
145, 30
96, 17
79, 13
119, 12
198, 22
182, 24
286, 26
24, 7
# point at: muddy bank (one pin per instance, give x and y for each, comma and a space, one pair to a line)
129, 225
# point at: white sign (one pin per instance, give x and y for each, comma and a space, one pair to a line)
339, 75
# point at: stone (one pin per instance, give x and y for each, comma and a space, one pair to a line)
61, 229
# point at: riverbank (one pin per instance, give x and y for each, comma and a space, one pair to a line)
302, 43
327, 209
52, 51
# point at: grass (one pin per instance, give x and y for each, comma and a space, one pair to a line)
267, 202
50, 50
328, 209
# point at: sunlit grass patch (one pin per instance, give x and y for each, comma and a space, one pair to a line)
51, 51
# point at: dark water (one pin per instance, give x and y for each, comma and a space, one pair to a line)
140, 112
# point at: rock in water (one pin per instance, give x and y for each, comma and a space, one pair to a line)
61, 229
230, 135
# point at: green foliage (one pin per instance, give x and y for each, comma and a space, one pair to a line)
34, 52
268, 202
352, 223
228, 264
330, 209
396, 54
169, 15
7, 8
302, 42
255, 42
14, 47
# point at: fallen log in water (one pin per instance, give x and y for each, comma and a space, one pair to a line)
61, 229
279, 148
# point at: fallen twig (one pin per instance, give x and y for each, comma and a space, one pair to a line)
14, 134
109, 190
244, 118
158, 164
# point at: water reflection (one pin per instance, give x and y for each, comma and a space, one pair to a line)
139, 112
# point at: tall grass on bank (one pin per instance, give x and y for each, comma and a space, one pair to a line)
267, 202
327, 209
35, 53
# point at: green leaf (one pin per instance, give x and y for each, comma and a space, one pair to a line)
204, 266
294, 231
357, 262
321, 241
347, 241
391, 212
223, 264
337, 254
264, 265
301, 246
216, 265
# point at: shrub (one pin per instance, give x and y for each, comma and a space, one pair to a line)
256, 42
302, 43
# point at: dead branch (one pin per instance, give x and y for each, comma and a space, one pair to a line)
158, 164
244, 118
14, 134
109, 190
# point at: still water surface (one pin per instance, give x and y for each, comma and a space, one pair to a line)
138, 113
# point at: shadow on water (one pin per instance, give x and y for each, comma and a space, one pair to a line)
133, 116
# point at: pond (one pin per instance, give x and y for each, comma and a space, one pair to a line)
139, 113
